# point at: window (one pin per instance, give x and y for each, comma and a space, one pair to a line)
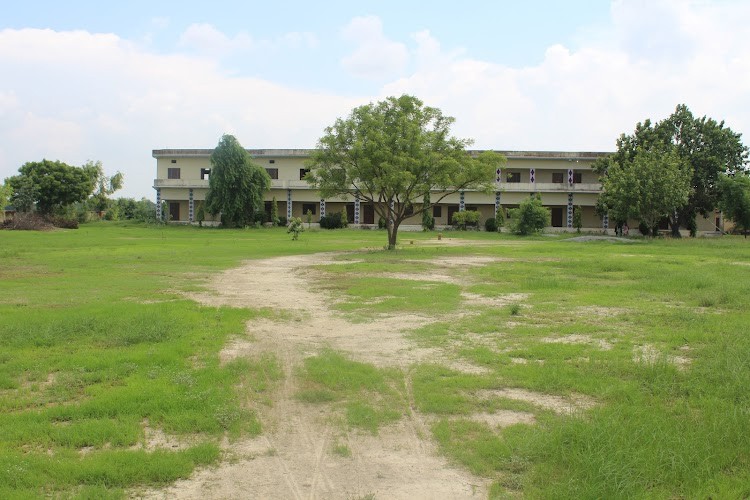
312, 207
205, 172
174, 161
514, 176
271, 161
409, 210
303, 172
437, 211
577, 176
273, 172
173, 173
557, 177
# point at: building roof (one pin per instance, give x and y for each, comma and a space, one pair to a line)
304, 153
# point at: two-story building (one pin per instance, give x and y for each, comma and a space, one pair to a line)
563, 179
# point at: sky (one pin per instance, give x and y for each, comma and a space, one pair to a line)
111, 81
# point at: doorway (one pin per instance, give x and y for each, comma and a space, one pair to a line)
557, 216
174, 210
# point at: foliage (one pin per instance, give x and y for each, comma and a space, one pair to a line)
5, 193
530, 217
237, 185
295, 227
707, 147
428, 221
491, 226
466, 218
49, 185
308, 217
577, 218
652, 186
274, 212
200, 214
103, 185
735, 200
334, 221
392, 154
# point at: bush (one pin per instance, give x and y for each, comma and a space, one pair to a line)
467, 218
428, 222
530, 216
490, 225
283, 221
334, 221
295, 227
381, 223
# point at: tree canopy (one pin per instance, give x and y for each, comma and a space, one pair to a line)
735, 200
103, 185
236, 185
649, 188
708, 147
393, 154
49, 185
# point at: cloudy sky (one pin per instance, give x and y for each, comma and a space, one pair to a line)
84, 80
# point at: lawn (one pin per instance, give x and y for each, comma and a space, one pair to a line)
100, 351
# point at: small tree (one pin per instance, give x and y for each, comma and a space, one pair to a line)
577, 218
237, 185
274, 212
295, 227
200, 215
735, 200
530, 216
308, 217
103, 185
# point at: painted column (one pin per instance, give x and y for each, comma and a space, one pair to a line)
570, 176
461, 203
605, 221
357, 204
532, 176
288, 204
322, 208
570, 210
498, 176
158, 204
497, 203
191, 206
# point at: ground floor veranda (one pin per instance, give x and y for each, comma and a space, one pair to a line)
183, 206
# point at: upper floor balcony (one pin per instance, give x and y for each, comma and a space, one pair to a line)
546, 187
181, 183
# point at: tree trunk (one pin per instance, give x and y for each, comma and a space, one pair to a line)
674, 225
392, 232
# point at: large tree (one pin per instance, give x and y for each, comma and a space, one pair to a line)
735, 200
709, 147
393, 154
652, 186
49, 185
236, 185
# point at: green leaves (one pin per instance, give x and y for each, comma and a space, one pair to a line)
236, 185
49, 185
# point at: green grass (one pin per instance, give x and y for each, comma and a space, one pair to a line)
97, 342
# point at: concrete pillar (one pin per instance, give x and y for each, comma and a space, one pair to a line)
288, 204
497, 203
322, 208
570, 176
461, 203
605, 221
570, 210
191, 206
532, 175
357, 205
158, 204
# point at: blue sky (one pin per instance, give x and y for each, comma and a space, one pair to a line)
89, 80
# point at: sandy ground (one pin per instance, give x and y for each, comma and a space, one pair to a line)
294, 457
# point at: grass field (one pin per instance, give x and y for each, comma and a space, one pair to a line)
100, 351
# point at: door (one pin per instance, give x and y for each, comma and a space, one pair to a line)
557, 217
174, 210
369, 214
350, 213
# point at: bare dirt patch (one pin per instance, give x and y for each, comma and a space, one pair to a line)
558, 404
579, 339
650, 355
294, 457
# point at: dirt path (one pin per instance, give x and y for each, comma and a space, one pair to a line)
294, 457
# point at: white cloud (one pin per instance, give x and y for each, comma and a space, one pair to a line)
75, 96
208, 40
375, 56
657, 55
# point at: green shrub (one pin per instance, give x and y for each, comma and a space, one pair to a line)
381, 223
295, 227
490, 225
467, 218
334, 221
530, 216
577, 219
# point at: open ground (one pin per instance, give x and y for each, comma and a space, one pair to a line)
184, 363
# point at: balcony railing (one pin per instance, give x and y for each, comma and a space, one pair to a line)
180, 183
541, 187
